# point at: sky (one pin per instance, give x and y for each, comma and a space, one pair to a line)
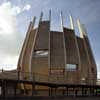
15, 16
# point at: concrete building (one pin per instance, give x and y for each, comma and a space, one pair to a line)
61, 56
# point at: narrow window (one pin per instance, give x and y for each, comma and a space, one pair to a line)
71, 67
41, 53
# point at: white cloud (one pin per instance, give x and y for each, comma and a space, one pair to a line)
7, 64
8, 14
6, 19
27, 7
17, 10
9, 35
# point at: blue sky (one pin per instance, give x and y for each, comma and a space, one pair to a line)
15, 16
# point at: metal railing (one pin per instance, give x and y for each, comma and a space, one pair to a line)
37, 77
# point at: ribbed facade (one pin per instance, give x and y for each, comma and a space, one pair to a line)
58, 54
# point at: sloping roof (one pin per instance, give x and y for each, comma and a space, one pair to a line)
9, 74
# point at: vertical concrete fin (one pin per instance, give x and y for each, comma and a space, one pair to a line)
62, 28
89, 53
80, 28
71, 22
41, 16
50, 15
49, 41
84, 29
61, 16
33, 21
21, 57
20, 60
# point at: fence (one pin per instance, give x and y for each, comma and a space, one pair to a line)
19, 75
